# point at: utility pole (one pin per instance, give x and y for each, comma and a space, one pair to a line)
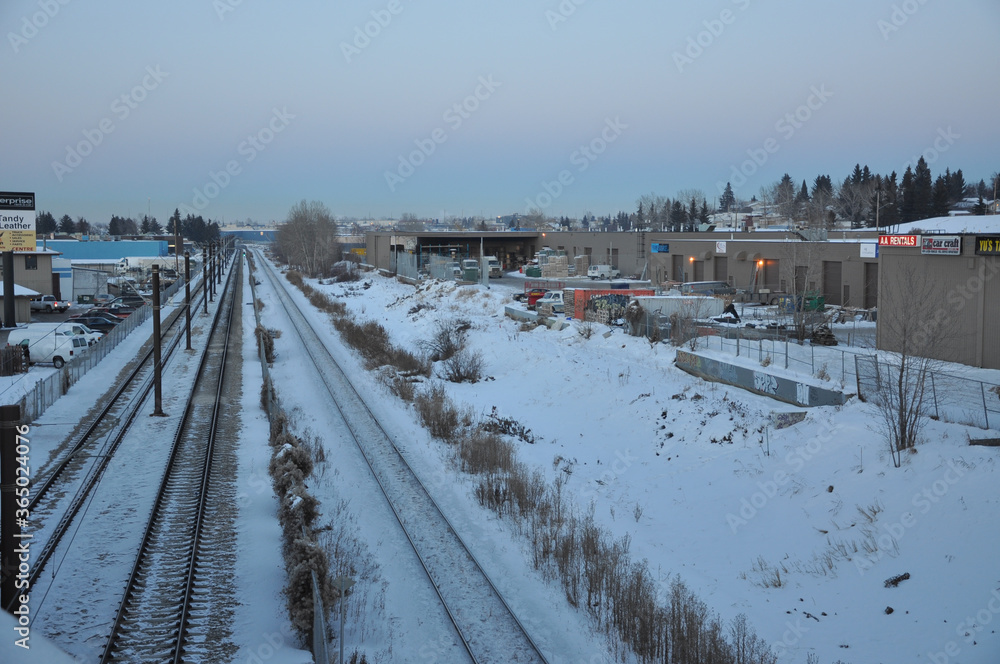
157, 374
187, 297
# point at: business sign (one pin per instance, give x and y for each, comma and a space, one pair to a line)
988, 245
941, 245
898, 240
659, 248
720, 247
17, 221
869, 250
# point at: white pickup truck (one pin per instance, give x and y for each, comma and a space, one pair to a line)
553, 299
49, 303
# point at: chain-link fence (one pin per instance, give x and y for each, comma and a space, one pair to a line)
946, 396
45, 392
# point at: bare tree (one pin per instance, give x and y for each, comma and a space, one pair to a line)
909, 329
410, 222
308, 239
799, 264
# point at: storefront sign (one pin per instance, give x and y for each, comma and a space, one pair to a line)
988, 245
941, 245
898, 240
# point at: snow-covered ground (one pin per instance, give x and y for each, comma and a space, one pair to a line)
801, 540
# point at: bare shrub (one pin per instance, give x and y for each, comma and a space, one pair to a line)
437, 414
585, 329
290, 465
449, 338
265, 343
484, 452
464, 366
508, 426
766, 362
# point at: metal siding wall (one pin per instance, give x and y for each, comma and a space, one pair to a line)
991, 313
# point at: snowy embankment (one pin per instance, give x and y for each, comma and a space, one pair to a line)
802, 539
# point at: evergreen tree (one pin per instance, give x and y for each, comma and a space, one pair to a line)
980, 208
82, 225
703, 215
957, 189
45, 223
923, 190
728, 199
692, 213
939, 197
640, 216
678, 217
857, 176
803, 196
907, 205
784, 197
66, 224
144, 226
174, 224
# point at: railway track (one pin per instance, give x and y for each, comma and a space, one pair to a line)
483, 621
91, 452
165, 608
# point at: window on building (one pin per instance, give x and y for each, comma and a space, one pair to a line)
31, 262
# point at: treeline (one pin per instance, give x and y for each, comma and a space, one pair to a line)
193, 228
867, 199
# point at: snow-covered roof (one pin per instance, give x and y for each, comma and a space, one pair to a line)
20, 291
962, 224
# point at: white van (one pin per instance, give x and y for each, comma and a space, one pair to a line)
47, 345
69, 328
603, 272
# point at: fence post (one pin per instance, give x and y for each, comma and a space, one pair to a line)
934, 394
986, 411
786, 352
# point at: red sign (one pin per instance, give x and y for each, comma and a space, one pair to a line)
898, 240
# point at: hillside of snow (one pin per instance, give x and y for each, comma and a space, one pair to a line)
800, 528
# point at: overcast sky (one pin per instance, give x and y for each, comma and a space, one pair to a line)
241, 108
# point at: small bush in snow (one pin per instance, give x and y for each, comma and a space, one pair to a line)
464, 367
265, 343
449, 338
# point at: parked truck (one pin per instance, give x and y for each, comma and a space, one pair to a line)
496, 269
49, 303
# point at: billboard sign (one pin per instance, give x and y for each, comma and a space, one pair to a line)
941, 245
17, 221
898, 240
988, 245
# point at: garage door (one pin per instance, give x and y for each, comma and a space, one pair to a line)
832, 282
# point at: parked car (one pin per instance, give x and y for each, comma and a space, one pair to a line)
531, 296
116, 311
707, 288
128, 301
603, 272
96, 323
98, 313
49, 303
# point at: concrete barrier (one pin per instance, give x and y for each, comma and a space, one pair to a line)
758, 381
